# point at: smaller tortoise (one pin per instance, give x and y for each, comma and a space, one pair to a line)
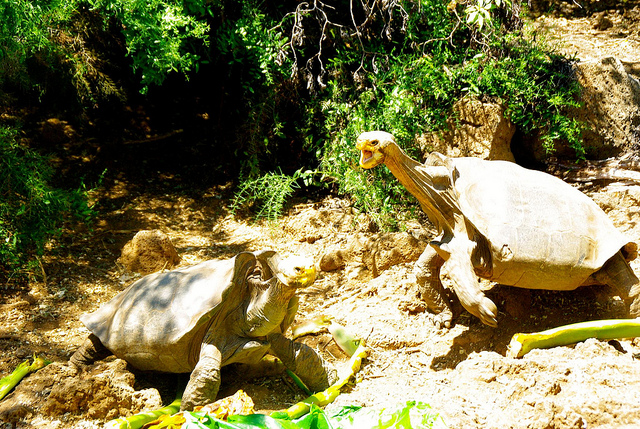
505, 223
200, 318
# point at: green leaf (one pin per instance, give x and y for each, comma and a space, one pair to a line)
410, 415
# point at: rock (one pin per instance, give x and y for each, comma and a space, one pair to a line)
103, 391
332, 260
386, 250
55, 131
347, 252
602, 21
148, 252
611, 111
378, 253
476, 129
611, 107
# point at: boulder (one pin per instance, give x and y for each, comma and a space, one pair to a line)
103, 391
477, 129
148, 252
611, 107
388, 249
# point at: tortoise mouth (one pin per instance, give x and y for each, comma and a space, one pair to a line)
366, 159
300, 280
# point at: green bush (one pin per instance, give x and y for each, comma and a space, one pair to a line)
536, 86
31, 211
413, 91
162, 36
250, 51
299, 81
25, 35
401, 70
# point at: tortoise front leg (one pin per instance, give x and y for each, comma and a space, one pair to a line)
458, 274
427, 272
303, 361
204, 382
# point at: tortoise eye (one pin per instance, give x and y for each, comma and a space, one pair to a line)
374, 142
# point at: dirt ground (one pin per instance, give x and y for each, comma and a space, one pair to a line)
461, 372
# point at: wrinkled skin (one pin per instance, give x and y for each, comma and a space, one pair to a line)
507, 224
256, 305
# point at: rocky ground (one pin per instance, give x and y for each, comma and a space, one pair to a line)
461, 372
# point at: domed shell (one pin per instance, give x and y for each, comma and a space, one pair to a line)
542, 232
158, 322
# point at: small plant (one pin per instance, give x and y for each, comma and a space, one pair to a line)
479, 13
268, 192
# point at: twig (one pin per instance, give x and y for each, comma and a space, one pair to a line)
626, 169
44, 273
154, 138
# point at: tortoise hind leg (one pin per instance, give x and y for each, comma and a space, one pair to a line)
617, 274
427, 272
90, 351
458, 274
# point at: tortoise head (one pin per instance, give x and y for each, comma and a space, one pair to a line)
372, 145
294, 271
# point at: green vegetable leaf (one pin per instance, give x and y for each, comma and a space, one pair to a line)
411, 415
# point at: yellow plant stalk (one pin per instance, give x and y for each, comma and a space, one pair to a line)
239, 403
330, 394
22, 370
138, 420
522, 344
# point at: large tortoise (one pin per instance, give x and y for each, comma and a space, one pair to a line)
200, 318
505, 223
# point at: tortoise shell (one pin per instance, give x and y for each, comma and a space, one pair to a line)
542, 232
158, 322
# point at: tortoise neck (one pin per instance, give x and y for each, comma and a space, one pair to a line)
431, 185
268, 307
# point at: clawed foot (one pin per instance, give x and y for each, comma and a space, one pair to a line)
443, 320
487, 312
444, 317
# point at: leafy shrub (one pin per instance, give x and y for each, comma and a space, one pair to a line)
162, 36
251, 53
46, 56
31, 211
409, 98
25, 33
299, 80
536, 86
